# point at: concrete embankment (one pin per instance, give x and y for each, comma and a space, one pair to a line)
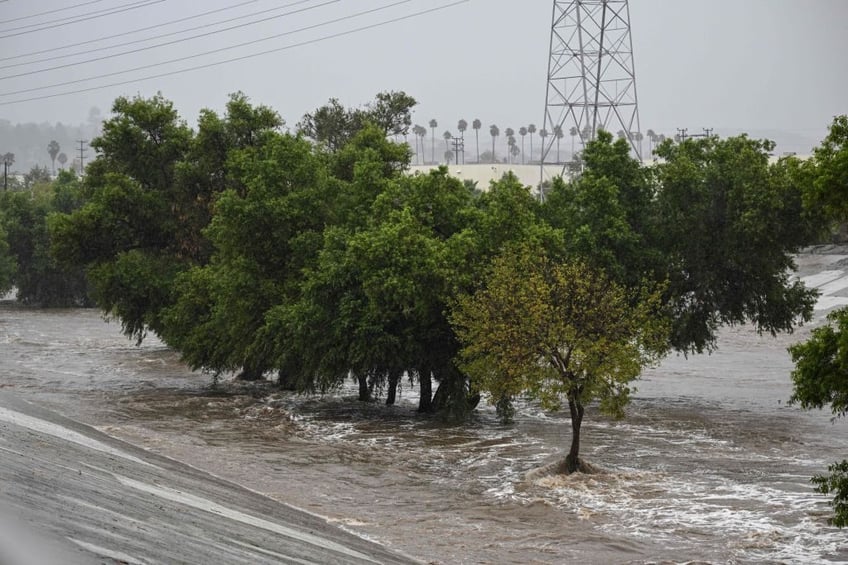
72, 495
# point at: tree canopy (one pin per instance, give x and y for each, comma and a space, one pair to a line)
820, 377
558, 329
316, 256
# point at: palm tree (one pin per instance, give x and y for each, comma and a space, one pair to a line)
639, 137
462, 125
416, 131
559, 135
494, 132
62, 158
476, 125
515, 151
53, 151
522, 131
511, 146
447, 137
433, 125
573, 132
531, 129
652, 138
543, 133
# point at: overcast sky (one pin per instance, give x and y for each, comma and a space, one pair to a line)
754, 65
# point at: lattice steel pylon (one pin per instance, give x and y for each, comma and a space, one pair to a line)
591, 78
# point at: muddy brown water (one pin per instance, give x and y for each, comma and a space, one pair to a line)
710, 464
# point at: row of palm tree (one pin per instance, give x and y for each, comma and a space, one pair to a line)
513, 151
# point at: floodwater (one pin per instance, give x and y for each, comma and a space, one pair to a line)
710, 464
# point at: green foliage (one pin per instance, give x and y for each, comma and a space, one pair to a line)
820, 376
830, 163
334, 126
41, 279
148, 197
836, 484
8, 266
727, 224
558, 330
262, 236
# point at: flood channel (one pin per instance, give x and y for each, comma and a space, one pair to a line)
709, 465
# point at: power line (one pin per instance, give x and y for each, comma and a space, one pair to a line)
218, 50
124, 8
140, 49
50, 12
138, 30
244, 57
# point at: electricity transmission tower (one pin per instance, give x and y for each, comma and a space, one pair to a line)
591, 77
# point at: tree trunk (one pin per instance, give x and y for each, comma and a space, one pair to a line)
391, 395
477, 135
364, 389
251, 373
425, 381
285, 382
572, 461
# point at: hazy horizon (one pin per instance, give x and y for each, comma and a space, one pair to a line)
758, 66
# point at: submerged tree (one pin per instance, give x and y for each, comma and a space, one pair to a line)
820, 376
820, 379
555, 330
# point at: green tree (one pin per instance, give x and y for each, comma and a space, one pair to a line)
53, 151
820, 379
62, 158
148, 198
391, 112
8, 266
40, 279
830, 163
262, 237
729, 224
558, 330
332, 124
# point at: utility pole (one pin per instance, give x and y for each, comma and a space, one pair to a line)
458, 145
8, 159
591, 73
82, 151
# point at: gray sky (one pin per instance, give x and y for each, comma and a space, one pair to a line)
753, 65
